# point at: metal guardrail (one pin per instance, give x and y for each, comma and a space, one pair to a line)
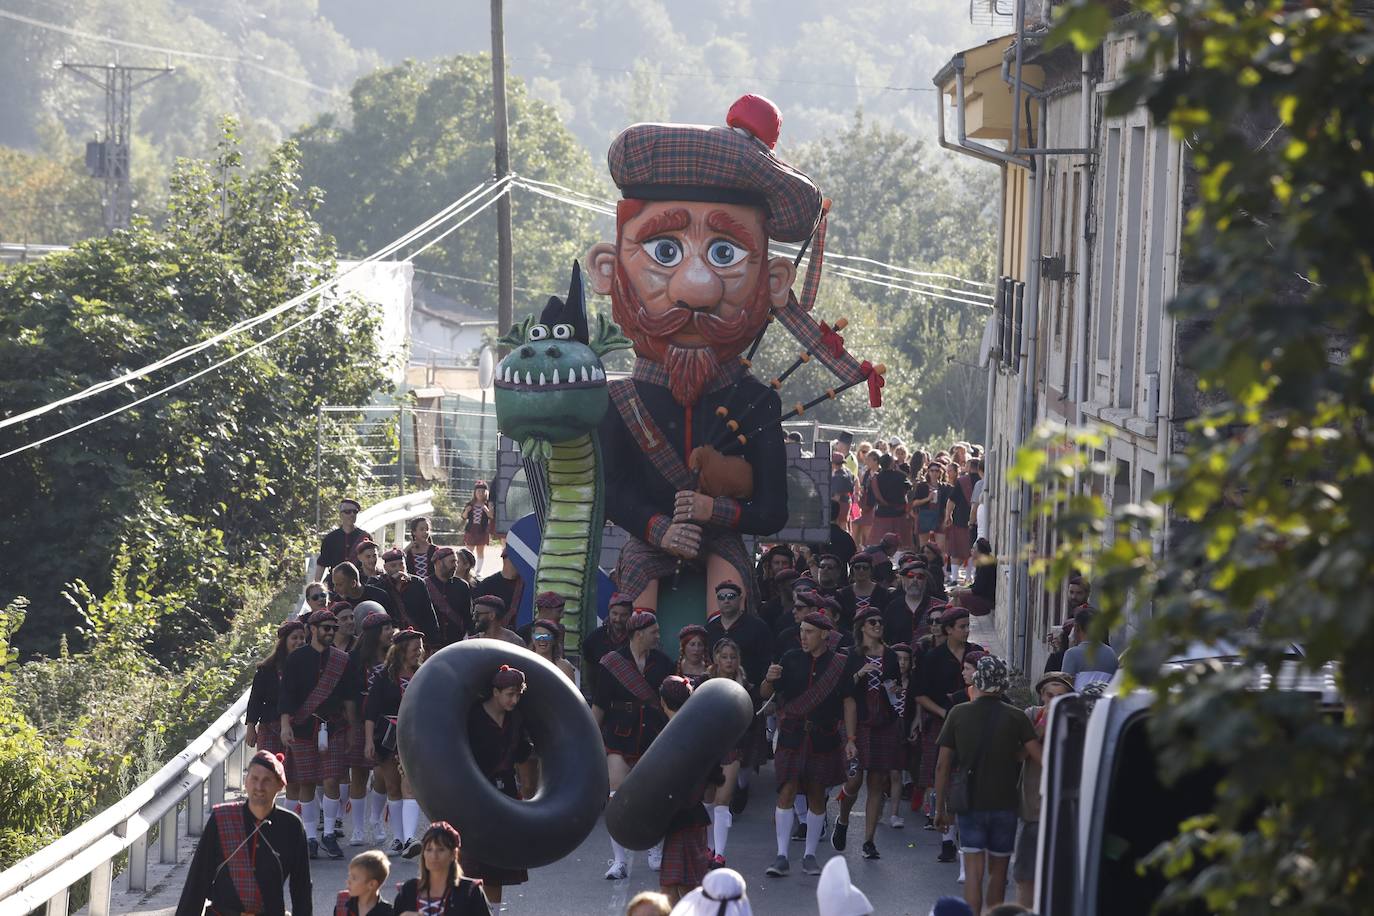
199, 776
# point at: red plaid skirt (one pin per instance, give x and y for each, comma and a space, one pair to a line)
305, 762
880, 748
269, 738
929, 749
807, 766
685, 858
353, 754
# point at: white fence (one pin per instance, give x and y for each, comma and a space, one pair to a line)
199, 776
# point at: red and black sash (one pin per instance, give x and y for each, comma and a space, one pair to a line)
439, 599
630, 677
801, 705
335, 661
240, 861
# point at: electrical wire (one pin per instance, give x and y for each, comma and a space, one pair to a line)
422, 229
176, 52
741, 77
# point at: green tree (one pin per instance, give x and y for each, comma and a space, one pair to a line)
214, 475
1270, 537
419, 137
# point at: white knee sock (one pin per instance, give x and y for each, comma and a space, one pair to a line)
782, 824
711, 828
310, 814
617, 853
394, 816
410, 817
799, 808
331, 811
357, 808
720, 826
813, 832
376, 802
319, 795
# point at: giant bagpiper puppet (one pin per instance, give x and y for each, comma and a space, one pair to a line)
692, 445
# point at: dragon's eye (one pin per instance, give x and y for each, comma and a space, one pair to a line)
537, 332
563, 331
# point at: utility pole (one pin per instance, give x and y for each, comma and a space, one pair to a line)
505, 256
108, 158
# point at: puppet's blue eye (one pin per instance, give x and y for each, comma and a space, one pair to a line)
725, 254
666, 252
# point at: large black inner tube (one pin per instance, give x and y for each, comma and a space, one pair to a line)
433, 743
708, 725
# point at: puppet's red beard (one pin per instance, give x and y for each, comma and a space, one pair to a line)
690, 369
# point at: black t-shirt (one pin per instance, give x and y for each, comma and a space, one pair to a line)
799, 669
498, 748
985, 581
841, 544
901, 623
942, 674
892, 486
594, 648
961, 502
755, 639
337, 546
303, 670
466, 899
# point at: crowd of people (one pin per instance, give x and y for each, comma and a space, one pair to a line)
857, 659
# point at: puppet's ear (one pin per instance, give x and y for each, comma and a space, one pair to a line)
516, 335
608, 336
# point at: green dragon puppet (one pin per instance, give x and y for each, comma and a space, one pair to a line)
550, 396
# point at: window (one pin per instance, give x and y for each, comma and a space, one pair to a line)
1121, 484
1130, 256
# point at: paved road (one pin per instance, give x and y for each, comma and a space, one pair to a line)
907, 879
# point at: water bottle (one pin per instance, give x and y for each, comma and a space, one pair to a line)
323, 739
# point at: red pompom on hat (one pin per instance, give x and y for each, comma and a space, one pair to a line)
288, 628
730, 584
757, 115
274, 762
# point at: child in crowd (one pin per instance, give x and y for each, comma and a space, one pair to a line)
367, 873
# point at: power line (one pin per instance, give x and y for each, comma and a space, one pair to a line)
436, 273
742, 77
175, 52
424, 228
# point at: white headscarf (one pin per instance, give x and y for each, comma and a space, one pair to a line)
722, 893
835, 896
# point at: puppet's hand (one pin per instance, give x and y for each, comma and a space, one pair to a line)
691, 506
682, 541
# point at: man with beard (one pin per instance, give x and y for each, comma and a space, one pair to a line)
407, 602
608, 637
338, 545
691, 284
506, 584
450, 597
487, 613
904, 614
831, 573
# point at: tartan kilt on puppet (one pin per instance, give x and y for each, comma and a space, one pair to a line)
641, 564
305, 762
881, 747
806, 765
685, 858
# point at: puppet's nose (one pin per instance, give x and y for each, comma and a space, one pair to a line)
553, 351
527, 352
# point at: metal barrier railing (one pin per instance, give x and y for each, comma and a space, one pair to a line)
199, 776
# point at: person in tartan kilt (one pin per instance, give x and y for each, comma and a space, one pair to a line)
317, 706
686, 858
873, 722
691, 284
248, 851
809, 685
626, 707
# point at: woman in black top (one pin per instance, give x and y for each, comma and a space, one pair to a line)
380, 710
366, 660
889, 489
420, 550
982, 596
264, 719
441, 889
500, 744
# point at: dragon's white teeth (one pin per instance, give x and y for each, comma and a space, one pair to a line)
556, 379
529, 378
541, 379
597, 375
585, 377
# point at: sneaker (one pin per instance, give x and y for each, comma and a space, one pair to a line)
412, 849
739, 800
397, 847
895, 822
377, 832
717, 861
871, 851
810, 866
779, 868
338, 826
331, 845
930, 823
618, 871
947, 853
838, 838
314, 847
799, 831
656, 858
357, 839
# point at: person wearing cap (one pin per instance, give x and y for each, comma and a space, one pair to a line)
776, 560
811, 696
748, 630
407, 600
842, 484
686, 856
548, 605
441, 889
832, 574
248, 850
611, 635
263, 717
723, 892
338, 545
835, 893
380, 711
777, 610
906, 611
365, 661
988, 737
546, 641
862, 592
873, 722
450, 598
478, 521
941, 674
1051, 685
487, 613
506, 583
626, 707
692, 657
691, 284
317, 705
501, 745
808, 602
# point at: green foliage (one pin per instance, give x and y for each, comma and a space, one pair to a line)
418, 137
214, 475
1269, 534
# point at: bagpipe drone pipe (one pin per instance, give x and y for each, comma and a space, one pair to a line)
433, 744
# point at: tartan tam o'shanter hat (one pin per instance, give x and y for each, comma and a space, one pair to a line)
733, 164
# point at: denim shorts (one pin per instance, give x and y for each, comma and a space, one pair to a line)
993, 832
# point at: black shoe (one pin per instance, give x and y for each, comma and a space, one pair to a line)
838, 837
799, 832
871, 851
947, 853
314, 846
930, 823
740, 800
331, 846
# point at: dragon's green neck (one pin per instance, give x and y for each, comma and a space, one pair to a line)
572, 532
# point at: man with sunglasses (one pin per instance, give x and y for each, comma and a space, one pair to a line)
863, 591
338, 546
750, 633
317, 691
906, 612
316, 599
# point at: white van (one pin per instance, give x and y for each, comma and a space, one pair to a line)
1105, 806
